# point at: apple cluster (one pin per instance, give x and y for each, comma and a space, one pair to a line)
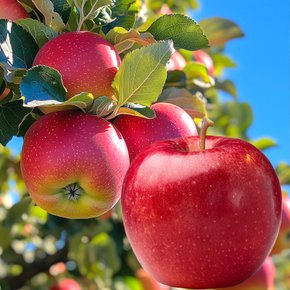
199, 211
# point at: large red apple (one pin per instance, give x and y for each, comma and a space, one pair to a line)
283, 240
261, 280
12, 10
170, 122
66, 284
73, 164
204, 58
201, 218
86, 61
176, 62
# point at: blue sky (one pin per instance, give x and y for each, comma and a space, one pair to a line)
263, 58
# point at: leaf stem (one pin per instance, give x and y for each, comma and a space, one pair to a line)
205, 124
83, 18
114, 113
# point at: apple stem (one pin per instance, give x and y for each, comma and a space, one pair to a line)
205, 124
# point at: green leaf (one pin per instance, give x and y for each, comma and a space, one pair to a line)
118, 34
142, 74
228, 87
63, 8
102, 106
194, 70
52, 18
11, 116
81, 101
17, 49
91, 8
42, 83
124, 40
124, 13
127, 283
219, 30
264, 143
39, 31
26, 124
6, 237
221, 62
283, 171
16, 211
136, 110
194, 105
184, 31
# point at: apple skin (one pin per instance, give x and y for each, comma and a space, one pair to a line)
176, 62
71, 147
283, 239
86, 61
201, 218
202, 57
12, 10
148, 283
165, 10
170, 122
66, 284
263, 279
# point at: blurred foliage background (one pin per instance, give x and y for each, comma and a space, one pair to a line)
38, 249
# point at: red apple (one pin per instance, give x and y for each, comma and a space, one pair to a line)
148, 282
204, 58
170, 122
86, 61
73, 164
176, 62
283, 240
201, 218
66, 284
261, 280
165, 10
12, 10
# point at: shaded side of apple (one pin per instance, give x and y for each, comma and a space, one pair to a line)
201, 218
85, 60
12, 10
73, 164
263, 279
170, 122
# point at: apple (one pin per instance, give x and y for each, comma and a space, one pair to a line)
148, 283
73, 164
12, 10
66, 284
57, 269
261, 280
170, 122
283, 240
176, 62
201, 213
85, 60
202, 57
165, 10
